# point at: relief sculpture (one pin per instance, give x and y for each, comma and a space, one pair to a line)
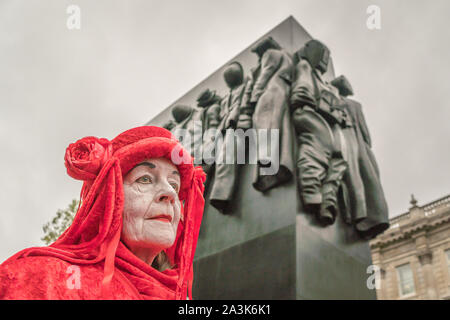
318, 126
373, 218
231, 115
337, 174
269, 101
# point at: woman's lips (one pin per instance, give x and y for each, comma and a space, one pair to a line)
162, 217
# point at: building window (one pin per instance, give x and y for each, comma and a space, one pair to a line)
448, 260
406, 279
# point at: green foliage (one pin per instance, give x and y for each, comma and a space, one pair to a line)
62, 220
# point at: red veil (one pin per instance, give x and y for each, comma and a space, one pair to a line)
94, 236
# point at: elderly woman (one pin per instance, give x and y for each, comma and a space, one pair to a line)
135, 233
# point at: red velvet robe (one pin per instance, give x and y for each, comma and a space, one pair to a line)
49, 278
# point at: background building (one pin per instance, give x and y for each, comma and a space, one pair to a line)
414, 253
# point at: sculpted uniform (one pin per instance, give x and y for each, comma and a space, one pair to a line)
318, 125
270, 98
196, 122
227, 170
209, 118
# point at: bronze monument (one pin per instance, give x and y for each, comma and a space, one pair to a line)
307, 224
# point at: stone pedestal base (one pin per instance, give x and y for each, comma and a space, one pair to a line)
268, 248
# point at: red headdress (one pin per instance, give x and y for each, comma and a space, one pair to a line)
94, 236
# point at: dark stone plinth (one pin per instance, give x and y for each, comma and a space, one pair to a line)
270, 249
260, 268
331, 263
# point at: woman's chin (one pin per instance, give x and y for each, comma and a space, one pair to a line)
162, 241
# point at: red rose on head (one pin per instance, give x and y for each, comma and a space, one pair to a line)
85, 158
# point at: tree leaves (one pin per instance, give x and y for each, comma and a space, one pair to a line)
62, 220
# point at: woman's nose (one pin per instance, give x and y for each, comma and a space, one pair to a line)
166, 195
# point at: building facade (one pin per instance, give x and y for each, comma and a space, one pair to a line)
414, 253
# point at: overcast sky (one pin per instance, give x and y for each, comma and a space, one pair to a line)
131, 59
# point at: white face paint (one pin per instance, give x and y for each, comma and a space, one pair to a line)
151, 205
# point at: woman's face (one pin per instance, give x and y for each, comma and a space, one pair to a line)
151, 209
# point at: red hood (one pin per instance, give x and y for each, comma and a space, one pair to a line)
94, 235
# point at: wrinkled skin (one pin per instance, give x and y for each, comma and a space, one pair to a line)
152, 208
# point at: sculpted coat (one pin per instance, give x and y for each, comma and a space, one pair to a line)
210, 119
377, 219
226, 173
374, 219
270, 96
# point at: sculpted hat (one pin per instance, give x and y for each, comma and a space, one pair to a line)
298, 55
206, 98
343, 85
265, 44
94, 235
233, 74
317, 54
181, 112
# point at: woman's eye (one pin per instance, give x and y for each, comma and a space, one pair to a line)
144, 179
175, 186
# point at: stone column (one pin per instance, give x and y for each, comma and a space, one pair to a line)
425, 258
